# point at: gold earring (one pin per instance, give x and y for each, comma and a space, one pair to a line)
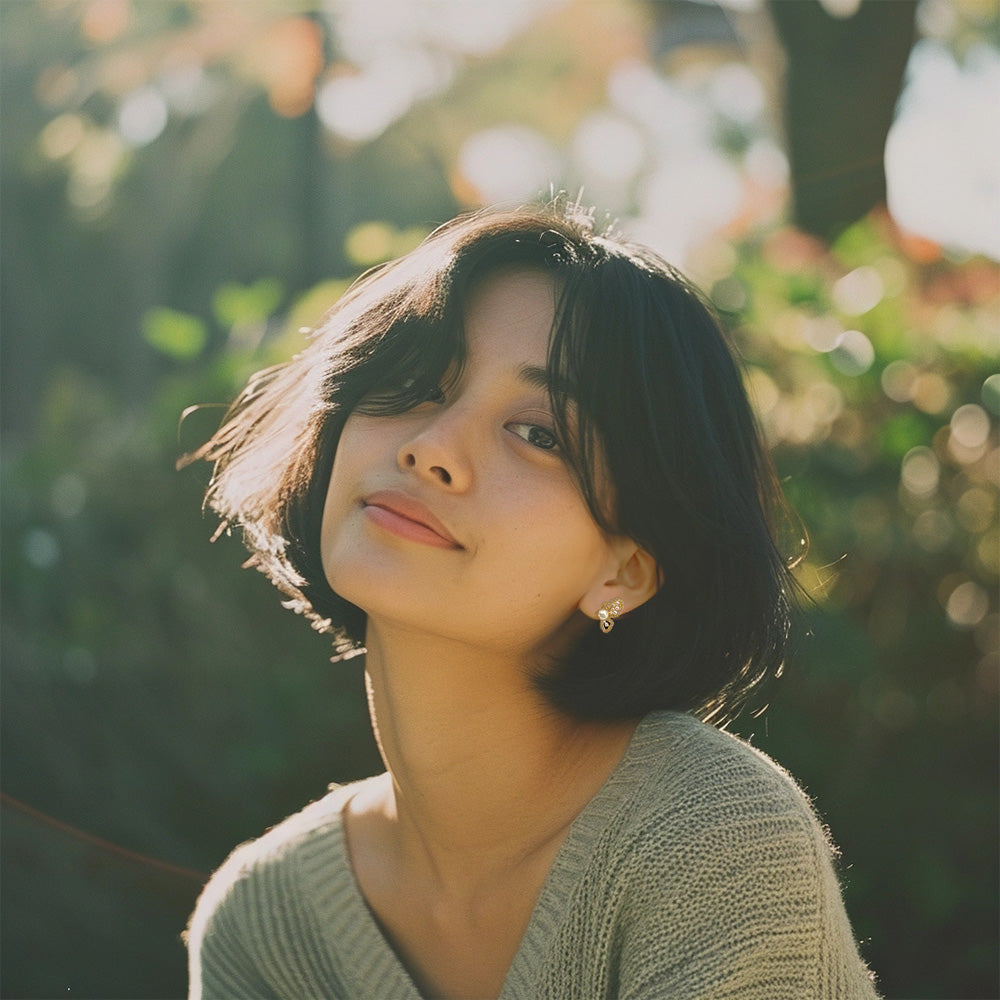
609, 611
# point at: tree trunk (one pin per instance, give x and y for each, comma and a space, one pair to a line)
842, 79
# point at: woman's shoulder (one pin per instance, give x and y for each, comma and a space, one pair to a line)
704, 797
257, 911
706, 774
721, 853
263, 868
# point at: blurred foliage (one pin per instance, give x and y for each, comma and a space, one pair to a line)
873, 366
157, 697
962, 25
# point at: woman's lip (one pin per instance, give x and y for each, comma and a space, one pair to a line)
408, 518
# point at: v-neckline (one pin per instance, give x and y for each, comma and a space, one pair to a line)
375, 962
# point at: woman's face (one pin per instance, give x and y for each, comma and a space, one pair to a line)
460, 516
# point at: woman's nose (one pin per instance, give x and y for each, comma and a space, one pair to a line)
440, 451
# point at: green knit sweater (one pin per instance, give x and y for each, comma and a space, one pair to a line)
698, 871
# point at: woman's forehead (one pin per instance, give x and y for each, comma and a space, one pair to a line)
510, 314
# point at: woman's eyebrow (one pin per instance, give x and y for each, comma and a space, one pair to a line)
542, 378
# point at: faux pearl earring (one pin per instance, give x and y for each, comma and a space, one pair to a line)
608, 612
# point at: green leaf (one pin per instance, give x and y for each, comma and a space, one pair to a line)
237, 305
179, 335
903, 432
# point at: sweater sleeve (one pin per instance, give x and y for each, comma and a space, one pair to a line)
221, 934
746, 904
255, 933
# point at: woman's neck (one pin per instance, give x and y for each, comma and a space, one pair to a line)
485, 775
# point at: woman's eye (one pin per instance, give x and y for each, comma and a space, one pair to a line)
537, 436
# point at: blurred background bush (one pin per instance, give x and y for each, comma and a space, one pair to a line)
186, 185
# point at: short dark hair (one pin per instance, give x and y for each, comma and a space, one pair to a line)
658, 404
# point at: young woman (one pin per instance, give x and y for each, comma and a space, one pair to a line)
519, 469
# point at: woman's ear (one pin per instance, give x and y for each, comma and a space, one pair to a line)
633, 579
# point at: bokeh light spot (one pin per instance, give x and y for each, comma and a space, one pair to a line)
859, 291
898, 378
610, 146
96, 163
360, 104
853, 353
186, 86
976, 509
40, 548
737, 92
968, 434
825, 400
61, 136
693, 192
713, 260
638, 91
509, 163
762, 390
931, 392
369, 243
988, 552
967, 604
970, 426
766, 164
730, 294
142, 116
822, 333
920, 471
991, 394
360, 107
288, 60
841, 9
105, 20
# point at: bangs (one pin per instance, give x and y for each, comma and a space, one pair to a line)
589, 359
576, 400
414, 359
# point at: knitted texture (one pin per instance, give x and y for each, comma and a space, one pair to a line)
698, 872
